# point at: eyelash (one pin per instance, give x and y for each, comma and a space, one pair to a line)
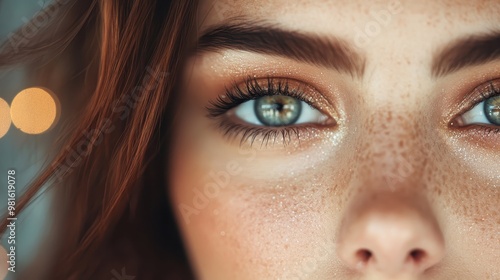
252, 89
491, 92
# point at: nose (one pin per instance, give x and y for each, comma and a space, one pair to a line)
390, 235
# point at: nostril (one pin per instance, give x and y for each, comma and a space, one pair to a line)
417, 255
363, 255
390, 234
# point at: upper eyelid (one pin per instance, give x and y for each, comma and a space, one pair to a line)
240, 92
478, 95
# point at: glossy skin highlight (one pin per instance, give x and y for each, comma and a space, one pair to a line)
391, 177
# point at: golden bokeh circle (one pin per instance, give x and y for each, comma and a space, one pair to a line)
34, 110
4, 117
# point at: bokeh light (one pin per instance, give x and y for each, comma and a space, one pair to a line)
4, 117
34, 110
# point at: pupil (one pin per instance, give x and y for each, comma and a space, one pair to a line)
277, 110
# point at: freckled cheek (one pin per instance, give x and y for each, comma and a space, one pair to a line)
257, 226
263, 231
466, 203
258, 212
463, 189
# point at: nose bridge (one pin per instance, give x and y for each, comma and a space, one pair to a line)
393, 150
389, 227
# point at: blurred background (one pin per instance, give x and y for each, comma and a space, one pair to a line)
23, 152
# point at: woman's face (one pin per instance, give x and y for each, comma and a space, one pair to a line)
341, 140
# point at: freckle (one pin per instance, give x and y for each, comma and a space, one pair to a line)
439, 191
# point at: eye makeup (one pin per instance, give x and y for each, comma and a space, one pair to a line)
466, 125
277, 111
481, 108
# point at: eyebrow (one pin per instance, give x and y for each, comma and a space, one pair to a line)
329, 52
465, 52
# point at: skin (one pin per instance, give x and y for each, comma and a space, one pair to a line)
390, 177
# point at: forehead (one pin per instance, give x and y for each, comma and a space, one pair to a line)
344, 18
387, 33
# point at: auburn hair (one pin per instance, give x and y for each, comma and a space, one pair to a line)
125, 58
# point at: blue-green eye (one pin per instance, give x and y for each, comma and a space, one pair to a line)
492, 109
485, 112
278, 110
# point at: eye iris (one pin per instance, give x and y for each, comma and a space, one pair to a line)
277, 110
492, 110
